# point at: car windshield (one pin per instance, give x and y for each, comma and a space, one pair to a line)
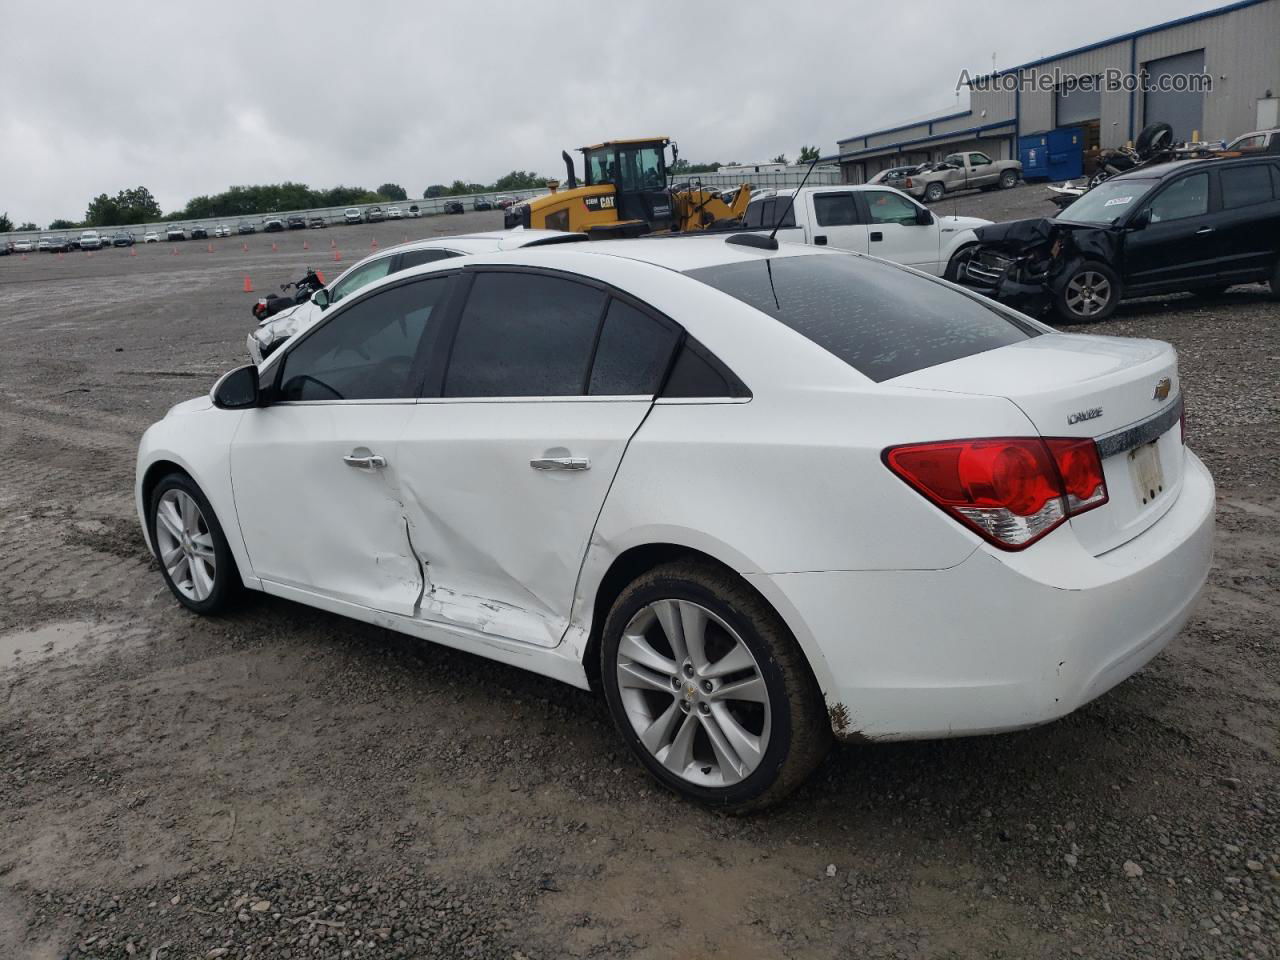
1107, 202
881, 319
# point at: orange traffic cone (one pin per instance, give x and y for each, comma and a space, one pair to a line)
248, 284
274, 248
373, 244
211, 248
90, 252
244, 247
305, 245
174, 251
406, 239
333, 244
320, 277
133, 251
59, 254
337, 256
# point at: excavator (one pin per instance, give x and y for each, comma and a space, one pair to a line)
625, 192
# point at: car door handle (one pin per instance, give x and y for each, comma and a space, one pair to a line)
560, 463
371, 462
1204, 230
876, 235
820, 241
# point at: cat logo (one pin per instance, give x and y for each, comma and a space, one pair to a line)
1162, 389
598, 203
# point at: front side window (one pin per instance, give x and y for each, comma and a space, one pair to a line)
1245, 186
360, 277
1256, 142
879, 318
366, 352
600, 167
1188, 197
524, 335
835, 209
886, 207
633, 353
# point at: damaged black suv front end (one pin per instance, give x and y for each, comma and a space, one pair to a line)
1028, 263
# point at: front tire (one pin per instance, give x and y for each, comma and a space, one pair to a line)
1008, 179
1089, 295
709, 688
190, 547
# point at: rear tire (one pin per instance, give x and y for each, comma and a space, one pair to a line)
732, 716
1089, 295
934, 192
189, 545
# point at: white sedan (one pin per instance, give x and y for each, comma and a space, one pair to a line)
279, 327
757, 497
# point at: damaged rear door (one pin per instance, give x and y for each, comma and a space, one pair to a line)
506, 468
316, 473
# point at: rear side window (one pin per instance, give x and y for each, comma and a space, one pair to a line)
755, 212
880, 319
415, 258
835, 209
777, 212
697, 373
633, 353
1245, 186
524, 335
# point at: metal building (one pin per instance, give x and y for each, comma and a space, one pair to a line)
1128, 81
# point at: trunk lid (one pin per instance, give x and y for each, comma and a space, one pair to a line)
1122, 392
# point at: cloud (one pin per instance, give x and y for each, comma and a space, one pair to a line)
189, 98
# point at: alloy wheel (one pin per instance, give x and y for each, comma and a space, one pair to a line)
1088, 294
185, 545
693, 693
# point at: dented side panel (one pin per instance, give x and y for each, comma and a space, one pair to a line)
501, 542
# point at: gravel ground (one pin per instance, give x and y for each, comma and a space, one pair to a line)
285, 783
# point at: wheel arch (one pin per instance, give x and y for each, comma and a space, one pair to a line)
639, 558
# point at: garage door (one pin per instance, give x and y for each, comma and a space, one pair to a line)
1180, 108
1076, 105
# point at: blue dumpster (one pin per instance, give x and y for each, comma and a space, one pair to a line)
1033, 151
1066, 153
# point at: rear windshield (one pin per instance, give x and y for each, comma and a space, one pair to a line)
880, 319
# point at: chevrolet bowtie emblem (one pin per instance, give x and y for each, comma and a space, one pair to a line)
1162, 389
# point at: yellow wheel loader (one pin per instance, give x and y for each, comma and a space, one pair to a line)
625, 192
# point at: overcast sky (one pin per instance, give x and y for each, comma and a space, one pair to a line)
188, 98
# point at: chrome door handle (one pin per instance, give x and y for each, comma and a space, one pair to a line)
1204, 230
560, 463
371, 462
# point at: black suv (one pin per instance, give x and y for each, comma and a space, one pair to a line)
1194, 225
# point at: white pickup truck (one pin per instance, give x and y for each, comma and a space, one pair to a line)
873, 219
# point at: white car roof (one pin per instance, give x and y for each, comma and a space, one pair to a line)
490, 241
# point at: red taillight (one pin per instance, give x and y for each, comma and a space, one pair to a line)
1011, 490
907, 183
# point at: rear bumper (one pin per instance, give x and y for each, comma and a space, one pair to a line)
1000, 641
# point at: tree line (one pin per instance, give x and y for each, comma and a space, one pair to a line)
138, 205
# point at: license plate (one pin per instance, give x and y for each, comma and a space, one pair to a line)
1144, 467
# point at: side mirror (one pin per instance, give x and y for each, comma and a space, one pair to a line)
237, 390
321, 298
923, 217
1141, 219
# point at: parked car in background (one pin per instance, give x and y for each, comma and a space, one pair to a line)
151, 236
123, 238
352, 215
894, 176
971, 170
24, 245
504, 202
278, 328
394, 213
414, 211
199, 232
6, 248
246, 226
175, 232
924, 437
91, 240
272, 225
317, 223
1193, 225
61, 243
296, 222
481, 203
222, 230
42, 244
374, 215
454, 206
1257, 141
867, 218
